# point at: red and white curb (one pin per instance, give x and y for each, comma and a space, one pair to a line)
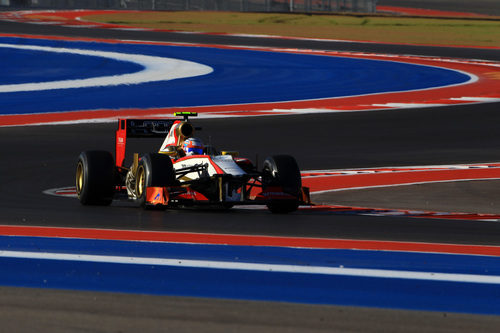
321, 181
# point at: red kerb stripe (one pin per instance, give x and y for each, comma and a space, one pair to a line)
246, 240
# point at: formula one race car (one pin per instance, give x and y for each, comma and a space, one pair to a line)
185, 173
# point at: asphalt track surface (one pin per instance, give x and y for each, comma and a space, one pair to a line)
41, 157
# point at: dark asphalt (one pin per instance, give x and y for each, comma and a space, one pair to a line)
54, 311
42, 157
453, 197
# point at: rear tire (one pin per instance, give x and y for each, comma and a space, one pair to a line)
153, 170
95, 175
282, 171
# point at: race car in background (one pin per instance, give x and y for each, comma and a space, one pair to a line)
169, 179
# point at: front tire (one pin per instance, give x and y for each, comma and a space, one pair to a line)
95, 175
154, 170
282, 171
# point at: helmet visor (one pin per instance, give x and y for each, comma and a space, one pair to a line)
194, 151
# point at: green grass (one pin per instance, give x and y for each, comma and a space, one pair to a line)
373, 28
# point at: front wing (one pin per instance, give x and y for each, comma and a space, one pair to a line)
185, 196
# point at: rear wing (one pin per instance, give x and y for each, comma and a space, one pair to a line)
143, 128
139, 128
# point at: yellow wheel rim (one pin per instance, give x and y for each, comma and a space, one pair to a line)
79, 178
140, 182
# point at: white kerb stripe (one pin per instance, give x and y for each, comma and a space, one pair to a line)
339, 271
155, 69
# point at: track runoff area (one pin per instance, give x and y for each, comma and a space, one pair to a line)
114, 78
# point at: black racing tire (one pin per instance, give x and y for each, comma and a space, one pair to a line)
95, 178
153, 170
283, 171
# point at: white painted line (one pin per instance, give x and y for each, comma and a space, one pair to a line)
69, 192
132, 29
155, 69
79, 26
476, 99
339, 271
408, 105
44, 23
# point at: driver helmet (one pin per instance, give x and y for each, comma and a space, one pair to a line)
193, 146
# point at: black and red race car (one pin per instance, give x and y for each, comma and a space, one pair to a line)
170, 179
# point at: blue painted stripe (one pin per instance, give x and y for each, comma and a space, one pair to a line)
403, 261
270, 286
256, 285
240, 76
23, 66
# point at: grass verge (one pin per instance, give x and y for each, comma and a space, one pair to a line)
365, 28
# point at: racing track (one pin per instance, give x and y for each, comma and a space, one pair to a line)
42, 157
